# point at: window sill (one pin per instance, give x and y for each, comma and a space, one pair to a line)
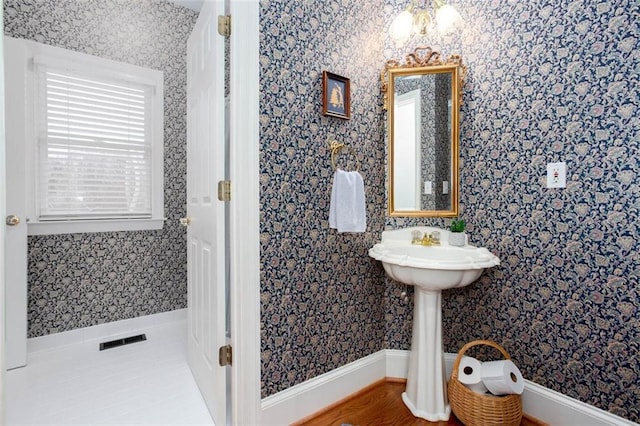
89, 226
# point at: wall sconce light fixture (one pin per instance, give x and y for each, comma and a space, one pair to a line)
419, 20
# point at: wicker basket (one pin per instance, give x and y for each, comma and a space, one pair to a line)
474, 409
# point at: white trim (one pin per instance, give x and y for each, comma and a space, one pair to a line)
311, 396
99, 332
23, 76
397, 363
306, 398
3, 213
15, 198
78, 62
558, 409
245, 212
106, 225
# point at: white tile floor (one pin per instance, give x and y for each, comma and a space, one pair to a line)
146, 383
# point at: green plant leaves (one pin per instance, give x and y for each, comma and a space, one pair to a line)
457, 225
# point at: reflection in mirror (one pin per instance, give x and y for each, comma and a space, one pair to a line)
423, 98
422, 142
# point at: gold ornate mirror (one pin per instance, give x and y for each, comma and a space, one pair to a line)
422, 98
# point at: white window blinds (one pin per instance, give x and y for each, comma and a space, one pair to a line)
94, 147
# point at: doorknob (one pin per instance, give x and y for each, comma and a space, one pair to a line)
185, 221
12, 220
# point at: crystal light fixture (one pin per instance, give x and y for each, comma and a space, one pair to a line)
419, 20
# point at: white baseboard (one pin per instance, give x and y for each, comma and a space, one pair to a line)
311, 396
113, 330
306, 398
558, 409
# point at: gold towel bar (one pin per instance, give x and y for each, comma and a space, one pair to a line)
336, 147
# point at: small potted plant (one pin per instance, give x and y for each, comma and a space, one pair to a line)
457, 237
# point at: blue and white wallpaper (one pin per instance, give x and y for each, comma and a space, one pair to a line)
80, 280
548, 81
318, 287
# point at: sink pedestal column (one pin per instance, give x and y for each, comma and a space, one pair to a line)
426, 392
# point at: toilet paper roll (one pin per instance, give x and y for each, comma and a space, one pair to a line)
478, 388
469, 374
469, 371
502, 377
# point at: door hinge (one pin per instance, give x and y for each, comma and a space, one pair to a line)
224, 190
224, 25
225, 355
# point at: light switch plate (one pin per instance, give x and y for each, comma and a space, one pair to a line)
557, 175
427, 187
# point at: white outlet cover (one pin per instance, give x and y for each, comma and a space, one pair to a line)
557, 175
427, 187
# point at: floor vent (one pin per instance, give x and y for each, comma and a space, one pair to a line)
120, 342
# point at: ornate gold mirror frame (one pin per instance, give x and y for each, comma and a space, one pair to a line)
434, 185
421, 57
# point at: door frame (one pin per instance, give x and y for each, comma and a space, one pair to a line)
413, 97
3, 214
245, 220
244, 207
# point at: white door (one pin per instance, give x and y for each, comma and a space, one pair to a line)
15, 242
407, 142
205, 214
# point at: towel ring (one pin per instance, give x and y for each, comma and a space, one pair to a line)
336, 147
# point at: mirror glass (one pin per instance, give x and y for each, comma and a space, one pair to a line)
423, 105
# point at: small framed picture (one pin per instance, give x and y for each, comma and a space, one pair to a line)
336, 96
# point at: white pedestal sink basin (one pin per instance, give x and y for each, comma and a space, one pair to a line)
431, 270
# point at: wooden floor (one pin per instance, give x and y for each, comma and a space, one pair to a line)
378, 405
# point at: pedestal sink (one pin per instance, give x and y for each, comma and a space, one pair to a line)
431, 270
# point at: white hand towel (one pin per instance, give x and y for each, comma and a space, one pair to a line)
347, 212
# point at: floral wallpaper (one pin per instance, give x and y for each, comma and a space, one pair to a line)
442, 123
80, 280
320, 292
548, 81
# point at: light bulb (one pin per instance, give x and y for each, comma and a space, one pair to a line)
400, 28
447, 19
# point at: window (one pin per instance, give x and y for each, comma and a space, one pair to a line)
96, 147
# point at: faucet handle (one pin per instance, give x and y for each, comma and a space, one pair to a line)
435, 236
416, 237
